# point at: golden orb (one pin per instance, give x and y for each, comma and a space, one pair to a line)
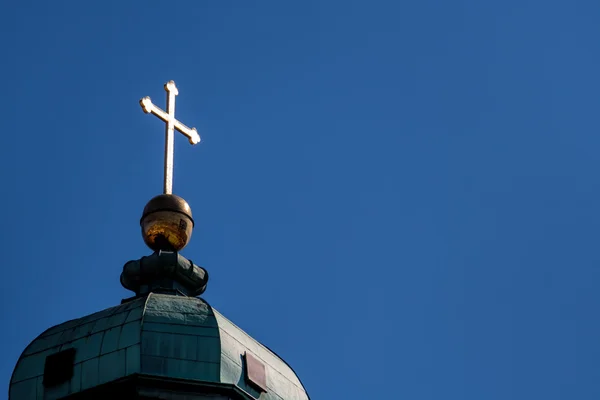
167, 223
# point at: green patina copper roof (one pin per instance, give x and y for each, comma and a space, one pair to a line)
160, 335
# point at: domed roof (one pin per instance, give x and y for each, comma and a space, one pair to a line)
156, 336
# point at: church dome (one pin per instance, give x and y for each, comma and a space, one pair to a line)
152, 345
163, 343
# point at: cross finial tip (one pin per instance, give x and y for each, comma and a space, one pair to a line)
170, 87
194, 136
146, 104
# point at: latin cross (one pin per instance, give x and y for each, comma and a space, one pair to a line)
171, 125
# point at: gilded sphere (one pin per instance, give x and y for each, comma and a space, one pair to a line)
167, 223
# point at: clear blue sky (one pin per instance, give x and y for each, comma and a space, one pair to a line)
402, 199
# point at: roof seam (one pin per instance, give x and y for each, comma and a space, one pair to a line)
74, 340
180, 359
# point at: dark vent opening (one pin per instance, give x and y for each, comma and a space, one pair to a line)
256, 375
59, 368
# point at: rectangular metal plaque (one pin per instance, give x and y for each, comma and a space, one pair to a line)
256, 373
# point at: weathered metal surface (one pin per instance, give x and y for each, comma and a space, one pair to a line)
164, 270
171, 337
281, 381
180, 339
105, 343
171, 125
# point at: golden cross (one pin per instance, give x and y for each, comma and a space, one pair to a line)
171, 125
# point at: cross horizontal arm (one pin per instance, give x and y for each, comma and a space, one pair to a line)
190, 133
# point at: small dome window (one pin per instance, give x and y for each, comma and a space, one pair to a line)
58, 368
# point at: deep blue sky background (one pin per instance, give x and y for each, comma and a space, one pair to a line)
402, 199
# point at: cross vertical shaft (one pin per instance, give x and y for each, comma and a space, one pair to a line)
169, 140
171, 126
